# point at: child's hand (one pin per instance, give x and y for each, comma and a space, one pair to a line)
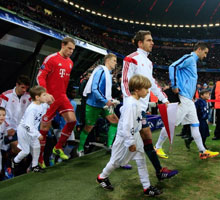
40, 137
50, 99
11, 132
132, 148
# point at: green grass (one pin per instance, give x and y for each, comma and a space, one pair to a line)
75, 179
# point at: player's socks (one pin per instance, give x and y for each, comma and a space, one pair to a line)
83, 136
197, 138
42, 146
35, 156
111, 134
62, 140
162, 138
151, 153
66, 132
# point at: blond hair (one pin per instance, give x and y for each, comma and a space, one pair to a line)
36, 91
108, 56
137, 82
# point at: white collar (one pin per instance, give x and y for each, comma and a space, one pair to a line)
143, 52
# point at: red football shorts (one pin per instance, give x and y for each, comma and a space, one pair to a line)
62, 104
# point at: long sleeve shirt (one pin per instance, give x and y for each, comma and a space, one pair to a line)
32, 118
130, 123
97, 96
15, 107
54, 74
202, 109
183, 75
139, 63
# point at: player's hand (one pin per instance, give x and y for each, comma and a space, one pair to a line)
109, 103
40, 137
11, 132
166, 103
176, 90
132, 148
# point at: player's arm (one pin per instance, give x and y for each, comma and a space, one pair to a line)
157, 90
3, 103
175, 67
45, 69
129, 67
98, 80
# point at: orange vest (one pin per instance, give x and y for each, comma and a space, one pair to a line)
153, 98
197, 94
217, 95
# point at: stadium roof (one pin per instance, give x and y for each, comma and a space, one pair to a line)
186, 12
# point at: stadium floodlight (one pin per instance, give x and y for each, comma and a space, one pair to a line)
136, 22
175, 26
158, 24
147, 23
110, 17
126, 20
153, 24
120, 19
142, 23
104, 15
164, 25
131, 21
193, 26
76, 5
71, 3
204, 25
87, 10
93, 12
198, 25
211, 25
217, 24
66, 1
82, 8
170, 25
99, 14
181, 26
187, 26
115, 18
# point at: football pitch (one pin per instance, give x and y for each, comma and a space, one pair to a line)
76, 178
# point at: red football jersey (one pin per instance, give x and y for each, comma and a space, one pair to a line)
54, 74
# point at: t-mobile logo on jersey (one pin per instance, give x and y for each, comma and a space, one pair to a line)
62, 73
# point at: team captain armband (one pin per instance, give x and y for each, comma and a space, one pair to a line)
131, 60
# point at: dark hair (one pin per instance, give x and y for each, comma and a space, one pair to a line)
139, 36
22, 79
36, 91
201, 45
202, 92
66, 40
3, 109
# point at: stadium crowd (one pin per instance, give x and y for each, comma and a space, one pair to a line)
164, 53
55, 139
